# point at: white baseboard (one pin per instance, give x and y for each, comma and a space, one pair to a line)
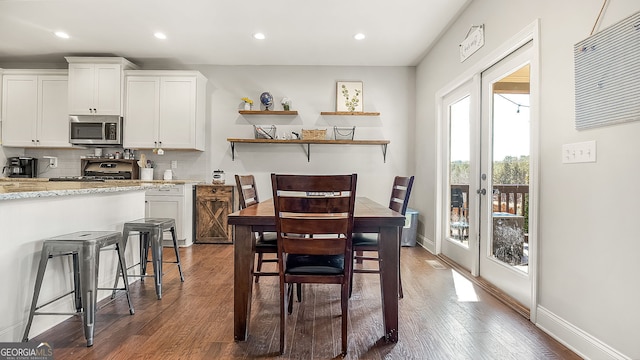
426, 243
574, 338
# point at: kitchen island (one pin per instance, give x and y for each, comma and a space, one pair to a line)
34, 210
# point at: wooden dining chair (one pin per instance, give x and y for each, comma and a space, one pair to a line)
314, 226
266, 242
362, 242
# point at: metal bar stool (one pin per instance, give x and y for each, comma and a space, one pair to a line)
151, 230
84, 247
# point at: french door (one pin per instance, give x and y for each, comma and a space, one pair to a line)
486, 174
459, 111
505, 175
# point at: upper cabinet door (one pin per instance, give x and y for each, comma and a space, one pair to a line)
95, 89
108, 94
53, 119
177, 128
141, 111
19, 110
81, 89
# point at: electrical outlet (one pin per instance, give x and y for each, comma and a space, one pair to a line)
174, 164
53, 161
579, 152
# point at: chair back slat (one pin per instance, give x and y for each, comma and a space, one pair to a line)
300, 202
314, 183
315, 225
313, 246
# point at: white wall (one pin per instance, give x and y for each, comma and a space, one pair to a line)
389, 90
588, 287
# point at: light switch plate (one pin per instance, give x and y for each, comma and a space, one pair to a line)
582, 152
174, 164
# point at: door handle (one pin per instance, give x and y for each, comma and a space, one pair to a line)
481, 191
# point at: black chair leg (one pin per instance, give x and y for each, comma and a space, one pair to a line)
290, 297
258, 268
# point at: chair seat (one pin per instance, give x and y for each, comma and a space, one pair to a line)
314, 264
364, 239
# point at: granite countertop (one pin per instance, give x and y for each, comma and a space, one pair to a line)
12, 188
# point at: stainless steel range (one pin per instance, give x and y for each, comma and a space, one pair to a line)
109, 169
96, 169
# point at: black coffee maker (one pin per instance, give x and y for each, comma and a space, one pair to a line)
21, 167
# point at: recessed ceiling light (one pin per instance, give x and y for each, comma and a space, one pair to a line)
259, 36
359, 36
62, 34
160, 35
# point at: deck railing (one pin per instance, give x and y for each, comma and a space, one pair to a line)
512, 199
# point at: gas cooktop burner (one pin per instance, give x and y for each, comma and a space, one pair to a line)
87, 178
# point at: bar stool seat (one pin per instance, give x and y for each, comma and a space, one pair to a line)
151, 230
84, 247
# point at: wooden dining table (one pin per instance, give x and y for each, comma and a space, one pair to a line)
369, 217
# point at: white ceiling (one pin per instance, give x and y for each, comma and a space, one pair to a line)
299, 32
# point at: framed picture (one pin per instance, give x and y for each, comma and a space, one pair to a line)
349, 96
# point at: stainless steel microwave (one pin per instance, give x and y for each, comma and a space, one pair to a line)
95, 130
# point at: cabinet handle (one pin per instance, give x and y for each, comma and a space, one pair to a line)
33, 141
213, 191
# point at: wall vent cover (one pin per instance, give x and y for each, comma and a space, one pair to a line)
607, 75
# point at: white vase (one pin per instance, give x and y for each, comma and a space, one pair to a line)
247, 106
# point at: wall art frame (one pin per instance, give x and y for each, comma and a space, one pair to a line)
349, 96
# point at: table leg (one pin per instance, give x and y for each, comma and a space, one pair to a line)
244, 252
389, 252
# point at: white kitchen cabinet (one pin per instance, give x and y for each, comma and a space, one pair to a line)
34, 108
95, 85
164, 109
175, 202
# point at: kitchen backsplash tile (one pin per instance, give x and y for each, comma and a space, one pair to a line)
191, 164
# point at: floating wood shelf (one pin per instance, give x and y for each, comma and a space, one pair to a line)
267, 112
308, 143
350, 113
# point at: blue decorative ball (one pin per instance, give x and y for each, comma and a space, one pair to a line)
266, 99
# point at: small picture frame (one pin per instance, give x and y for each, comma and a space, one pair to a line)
349, 97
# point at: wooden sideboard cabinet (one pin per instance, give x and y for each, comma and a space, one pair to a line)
213, 205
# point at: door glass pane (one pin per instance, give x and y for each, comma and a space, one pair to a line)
510, 170
459, 156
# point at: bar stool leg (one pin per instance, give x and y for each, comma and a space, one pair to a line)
125, 237
156, 249
175, 248
77, 294
123, 269
144, 254
44, 258
89, 258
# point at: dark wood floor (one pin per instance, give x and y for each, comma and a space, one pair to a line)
194, 319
